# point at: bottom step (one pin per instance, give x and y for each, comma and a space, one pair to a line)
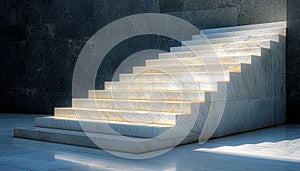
95, 140
103, 127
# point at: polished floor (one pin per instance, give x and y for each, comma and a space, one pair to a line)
276, 148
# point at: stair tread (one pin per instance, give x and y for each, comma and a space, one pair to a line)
244, 38
199, 61
183, 82
134, 100
226, 44
188, 65
122, 111
200, 58
244, 32
225, 49
162, 85
90, 134
158, 91
212, 53
179, 96
181, 73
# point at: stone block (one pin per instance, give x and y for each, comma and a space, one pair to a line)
234, 118
102, 127
138, 105
172, 86
194, 96
208, 68
176, 77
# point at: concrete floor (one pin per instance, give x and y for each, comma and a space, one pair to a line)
276, 148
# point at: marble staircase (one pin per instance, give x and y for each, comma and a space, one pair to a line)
167, 102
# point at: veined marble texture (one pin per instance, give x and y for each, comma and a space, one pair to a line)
255, 98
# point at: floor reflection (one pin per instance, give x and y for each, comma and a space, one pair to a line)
276, 148
110, 164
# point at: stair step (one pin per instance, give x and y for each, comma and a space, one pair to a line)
103, 127
246, 27
188, 68
243, 33
212, 53
257, 37
141, 105
177, 86
117, 143
181, 77
200, 61
119, 115
261, 43
196, 96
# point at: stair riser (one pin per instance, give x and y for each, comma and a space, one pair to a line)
133, 105
176, 77
102, 128
271, 37
205, 54
199, 61
221, 46
188, 68
244, 33
168, 96
162, 86
116, 116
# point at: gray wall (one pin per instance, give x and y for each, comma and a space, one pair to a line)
41, 39
293, 62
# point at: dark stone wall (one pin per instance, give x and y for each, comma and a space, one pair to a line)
40, 40
293, 62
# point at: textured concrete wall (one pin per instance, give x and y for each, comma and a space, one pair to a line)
293, 62
41, 39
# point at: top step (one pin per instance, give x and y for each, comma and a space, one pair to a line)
245, 27
243, 33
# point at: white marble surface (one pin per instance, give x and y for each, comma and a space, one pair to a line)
118, 115
245, 33
212, 53
256, 37
189, 68
270, 149
136, 105
148, 95
250, 93
177, 86
245, 44
199, 61
103, 127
